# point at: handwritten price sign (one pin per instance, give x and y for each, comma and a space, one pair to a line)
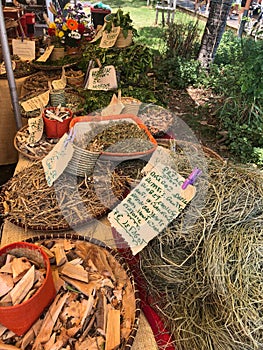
151, 206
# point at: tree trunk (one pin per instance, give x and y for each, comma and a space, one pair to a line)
214, 29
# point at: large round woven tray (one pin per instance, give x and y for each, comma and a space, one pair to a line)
27, 201
53, 66
107, 262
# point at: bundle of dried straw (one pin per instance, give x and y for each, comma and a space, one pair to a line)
204, 272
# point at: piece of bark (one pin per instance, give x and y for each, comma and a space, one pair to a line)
6, 300
51, 341
68, 245
76, 272
60, 254
49, 253
91, 266
113, 333
23, 286
101, 313
7, 347
6, 284
50, 320
19, 267
87, 306
90, 343
85, 288
7, 268
58, 282
57, 346
77, 261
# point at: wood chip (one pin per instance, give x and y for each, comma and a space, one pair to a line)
23, 286
6, 284
76, 272
113, 333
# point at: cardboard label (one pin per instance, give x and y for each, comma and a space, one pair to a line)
57, 160
109, 39
37, 102
151, 206
61, 83
102, 79
46, 54
98, 34
25, 49
35, 128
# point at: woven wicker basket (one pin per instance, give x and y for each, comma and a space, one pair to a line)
83, 162
130, 306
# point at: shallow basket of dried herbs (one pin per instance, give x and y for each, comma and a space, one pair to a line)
116, 138
204, 272
36, 151
39, 81
97, 304
27, 201
157, 119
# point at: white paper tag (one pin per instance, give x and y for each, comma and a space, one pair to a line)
102, 79
60, 83
24, 49
46, 54
35, 128
57, 160
151, 206
37, 102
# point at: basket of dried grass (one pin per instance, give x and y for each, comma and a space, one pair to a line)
204, 272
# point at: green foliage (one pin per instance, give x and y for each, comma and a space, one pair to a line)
229, 50
178, 72
252, 73
132, 63
244, 124
237, 74
120, 19
132, 66
182, 39
177, 66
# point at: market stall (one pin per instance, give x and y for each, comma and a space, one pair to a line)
146, 226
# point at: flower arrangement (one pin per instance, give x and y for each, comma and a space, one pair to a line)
70, 26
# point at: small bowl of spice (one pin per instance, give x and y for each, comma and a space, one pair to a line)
26, 285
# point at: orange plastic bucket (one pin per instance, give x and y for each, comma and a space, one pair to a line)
19, 318
55, 129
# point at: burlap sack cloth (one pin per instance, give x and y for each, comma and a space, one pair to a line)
8, 153
100, 230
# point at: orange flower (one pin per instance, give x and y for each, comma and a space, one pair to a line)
72, 24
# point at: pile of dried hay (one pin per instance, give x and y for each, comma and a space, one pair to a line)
205, 274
